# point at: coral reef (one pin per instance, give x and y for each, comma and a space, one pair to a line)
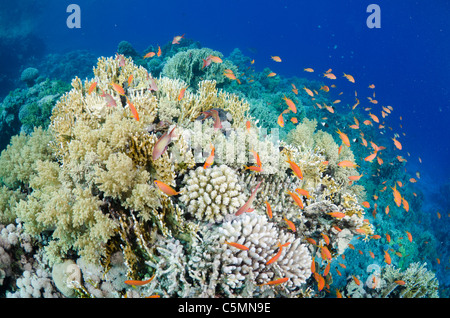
105, 209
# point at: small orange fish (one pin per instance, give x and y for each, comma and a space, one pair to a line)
133, 109
249, 202
355, 178
237, 245
376, 237
372, 86
166, 188
276, 282
372, 254
400, 282
405, 204
310, 70
397, 144
210, 160
337, 215
329, 75
162, 143
269, 209
347, 164
326, 238
130, 79
290, 224
118, 88
320, 282
388, 238
280, 248
349, 77
290, 104
295, 168
177, 39
214, 59
182, 91
397, 196
92, 87
294, 120
371, 157
271, 74
366, 204
344, 138
313, 265
303, 192
325, 253
149, 54
280, 120
356, 280
308, 91
159, 51
296, 199
139, 282
325, 88
409, 236
276, 58
387, 258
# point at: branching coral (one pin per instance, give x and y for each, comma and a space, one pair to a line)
211, 194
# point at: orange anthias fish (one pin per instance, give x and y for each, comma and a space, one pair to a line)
269, 210
237, 245
159, 51
166, 188
177, 39
344, 138
92, 87
214, 59
276, 282
397, 144
303, 192
280, 248
337, 215
405, 204
290, 224
182, 91
329, 75
295, 168
308, 91
271, 74
133, 110
162, 143
349, 77
149, 54
355, 178
409, 236
118, 88
139, 282
310, 70
276, 58
210, 160
371, 157
387, 258
249, 202
397, 196
347, 164
290, 104
280, 120
296, 199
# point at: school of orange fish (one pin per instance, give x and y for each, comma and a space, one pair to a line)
373, 152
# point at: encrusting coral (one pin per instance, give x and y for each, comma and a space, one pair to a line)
92, 190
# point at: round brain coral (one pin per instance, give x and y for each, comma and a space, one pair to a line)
211, 194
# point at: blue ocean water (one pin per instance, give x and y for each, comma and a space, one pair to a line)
407, 58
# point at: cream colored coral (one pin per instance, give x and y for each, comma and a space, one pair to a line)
211, 194
261, 237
